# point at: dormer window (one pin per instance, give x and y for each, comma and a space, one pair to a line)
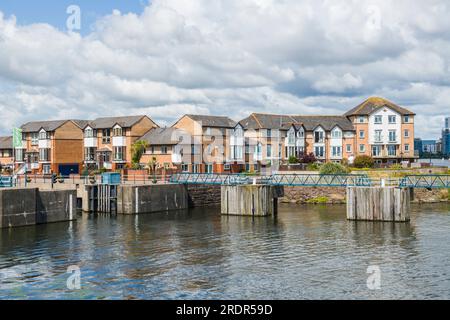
406, 118
336, 133
117, 131
300, 134
88, 133
238, 132
44, 135
361, 119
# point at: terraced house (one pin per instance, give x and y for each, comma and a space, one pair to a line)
162, 147
108, 141
205, 144
6, 152
51, 147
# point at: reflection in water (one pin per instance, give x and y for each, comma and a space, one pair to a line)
304, 252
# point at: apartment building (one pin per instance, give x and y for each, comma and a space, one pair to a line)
205, 144
51, 147
275, 138
108, 141
162, 147
384, 130
6, 152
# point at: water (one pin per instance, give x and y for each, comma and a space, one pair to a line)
308, 252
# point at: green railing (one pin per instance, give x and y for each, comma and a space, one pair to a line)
430, 181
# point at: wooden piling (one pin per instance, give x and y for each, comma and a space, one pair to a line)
378, 204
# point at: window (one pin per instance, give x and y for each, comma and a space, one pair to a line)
192, 148
378, 136
319, 152
44, 154
349, 148
89, 154
106, 136
318, 137
392, 136
378, 119
19, 155
88, 133
236, 152
406, 133
184, 168
247, 148
376, 151
336, 151
44, 135
269, 150
406, 147
406, 118
392, 119
291, 137
336, 133
280, 149
259, 148
119, 153
34, 138
209, 168
46, 168
361, 134
392, 150
226, 167
361, 119
300, 133
362, 148
196, 168
117, 132
164, 149
269, 133
238, 132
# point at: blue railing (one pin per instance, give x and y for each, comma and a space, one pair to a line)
430, 181
313, 180
6, 182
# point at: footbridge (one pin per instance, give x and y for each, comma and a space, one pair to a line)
314, 180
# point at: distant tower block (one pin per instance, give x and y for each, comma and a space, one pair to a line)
378, 204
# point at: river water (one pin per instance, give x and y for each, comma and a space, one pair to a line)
307, 252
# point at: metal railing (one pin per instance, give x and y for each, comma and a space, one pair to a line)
209, 178
429, 181
320, 180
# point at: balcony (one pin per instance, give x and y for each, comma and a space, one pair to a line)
119, 141
90, 142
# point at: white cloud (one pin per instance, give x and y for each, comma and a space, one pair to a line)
231, 57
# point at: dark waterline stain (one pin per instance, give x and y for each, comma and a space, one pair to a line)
306, 252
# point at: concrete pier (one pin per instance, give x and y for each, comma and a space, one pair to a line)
30, 206
378, 204
151, 198
250, 200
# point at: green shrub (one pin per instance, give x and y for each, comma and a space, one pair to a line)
396, 166
333, 168
318, 200
363, 162
293, 159
313, 166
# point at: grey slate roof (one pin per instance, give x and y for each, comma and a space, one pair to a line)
52, 125
6, 142
283, 122
160, 136
373, 103
213, 121
109, 122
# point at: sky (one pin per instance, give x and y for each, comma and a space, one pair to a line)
166, 58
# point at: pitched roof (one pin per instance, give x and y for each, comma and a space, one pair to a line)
213, 121
6, 142
326, 122
52, 125
283, 122
374, 103
160, 136
267, 121
109, 122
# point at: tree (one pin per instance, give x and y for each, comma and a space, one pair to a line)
153, 165
363, 162
138, 149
